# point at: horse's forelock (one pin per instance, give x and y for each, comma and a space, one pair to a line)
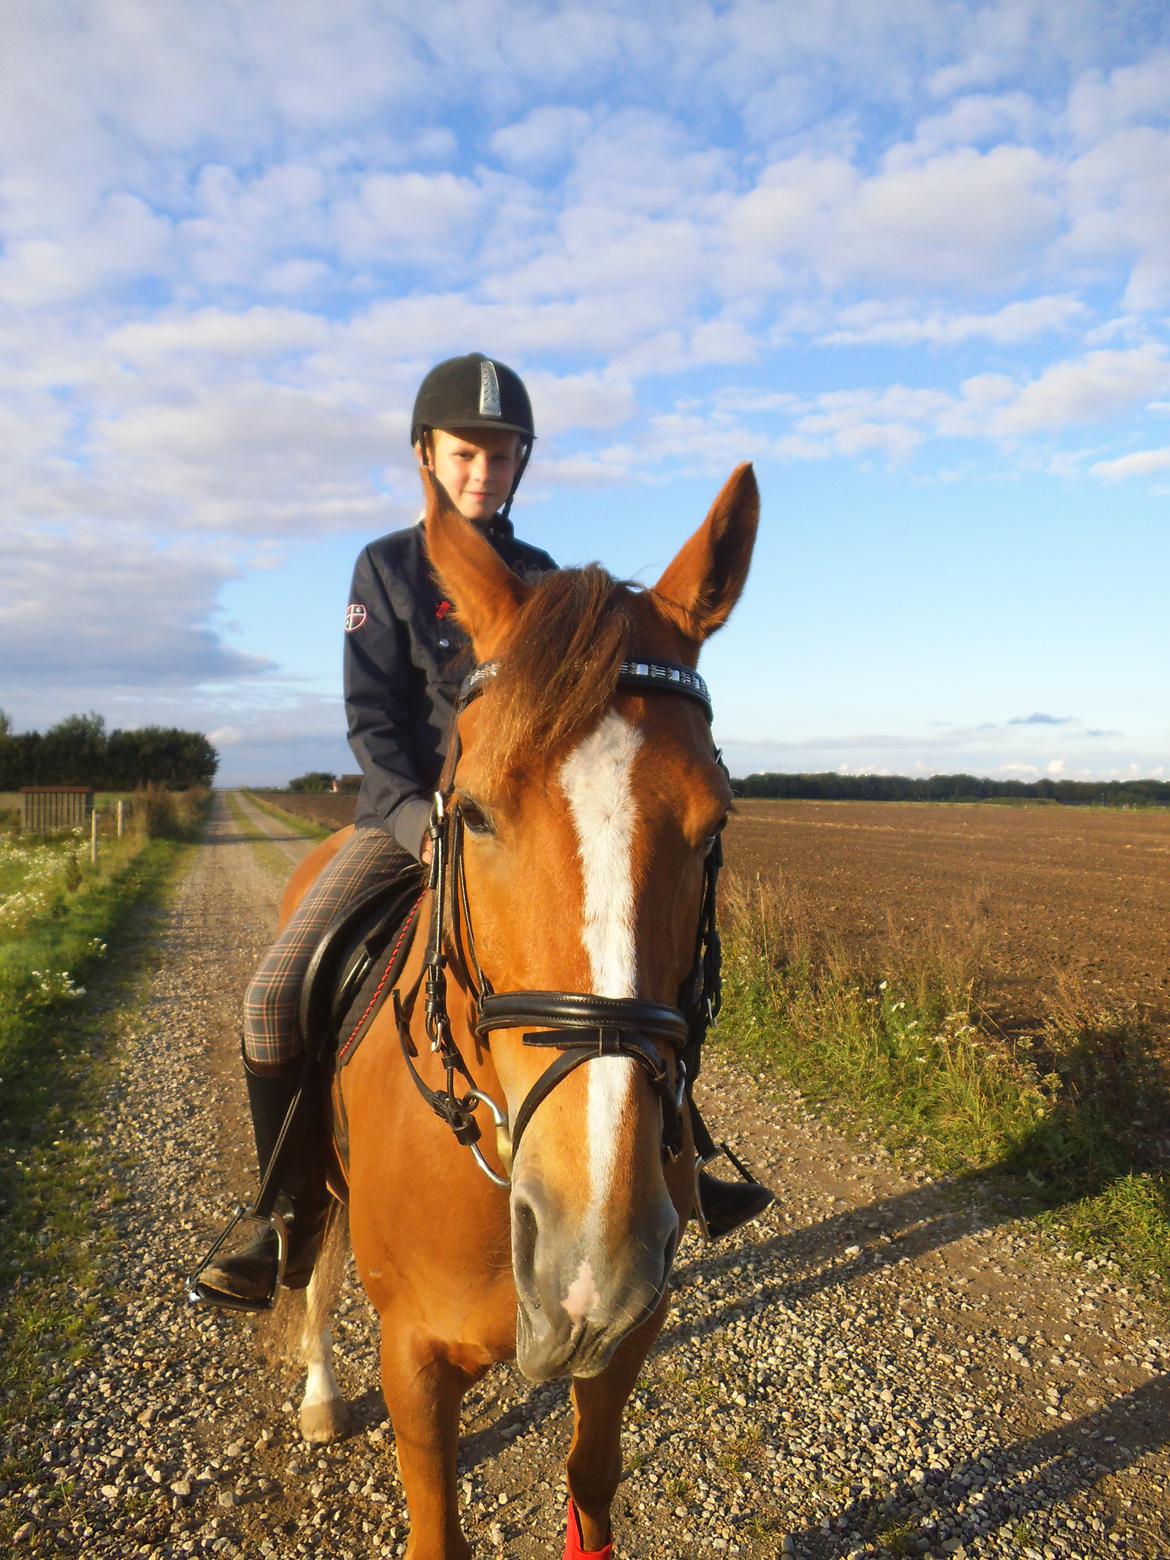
559, 669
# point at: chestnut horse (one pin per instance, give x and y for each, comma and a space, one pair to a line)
588, 800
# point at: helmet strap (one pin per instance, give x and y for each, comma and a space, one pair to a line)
520, 469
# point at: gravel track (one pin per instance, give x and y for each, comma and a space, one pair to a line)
885, 1365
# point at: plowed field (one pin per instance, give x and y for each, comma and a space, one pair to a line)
1051, 901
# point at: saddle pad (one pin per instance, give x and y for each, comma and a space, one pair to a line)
368, 986
368, 978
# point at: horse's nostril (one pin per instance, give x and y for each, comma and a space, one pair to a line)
524, 1233
668, 1254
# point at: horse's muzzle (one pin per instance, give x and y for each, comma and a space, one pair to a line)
581, 1291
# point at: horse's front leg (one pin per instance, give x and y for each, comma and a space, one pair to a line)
595, 1457
424, 1390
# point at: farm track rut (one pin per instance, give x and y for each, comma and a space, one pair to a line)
885, 1365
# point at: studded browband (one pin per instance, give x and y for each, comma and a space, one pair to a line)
633, 677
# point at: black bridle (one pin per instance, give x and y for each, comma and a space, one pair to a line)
578, 1025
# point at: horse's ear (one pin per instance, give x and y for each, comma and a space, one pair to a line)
699, 589
487, 595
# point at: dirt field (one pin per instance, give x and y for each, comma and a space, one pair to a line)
1054, 900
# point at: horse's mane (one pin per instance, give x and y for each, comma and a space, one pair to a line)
560, 666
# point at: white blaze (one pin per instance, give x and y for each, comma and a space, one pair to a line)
596, 780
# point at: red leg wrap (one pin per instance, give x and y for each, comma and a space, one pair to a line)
573, 1541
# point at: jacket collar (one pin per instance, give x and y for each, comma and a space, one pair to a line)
498, 525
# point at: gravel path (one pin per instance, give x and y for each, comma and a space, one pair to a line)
884, 1366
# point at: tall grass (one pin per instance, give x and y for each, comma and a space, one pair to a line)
1072, 1111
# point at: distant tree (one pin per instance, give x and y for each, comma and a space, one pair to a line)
315, 780
79, 751
834, 787
75, 750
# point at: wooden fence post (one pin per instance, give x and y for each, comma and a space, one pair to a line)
93, 831
121, 805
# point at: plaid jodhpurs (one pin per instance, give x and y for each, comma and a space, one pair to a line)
271, 1026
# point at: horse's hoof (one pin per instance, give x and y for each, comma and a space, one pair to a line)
325, 1421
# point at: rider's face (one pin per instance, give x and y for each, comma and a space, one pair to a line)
476, 467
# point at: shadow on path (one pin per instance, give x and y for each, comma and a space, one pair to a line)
1028, 1476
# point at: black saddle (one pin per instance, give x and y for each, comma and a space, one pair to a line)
355, 966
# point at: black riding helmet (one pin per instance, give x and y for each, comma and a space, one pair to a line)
475, 392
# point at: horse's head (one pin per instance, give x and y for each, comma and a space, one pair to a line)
589, 808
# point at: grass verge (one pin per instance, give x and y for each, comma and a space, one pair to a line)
1069, 1117
271, 857
58, 1054
305, 826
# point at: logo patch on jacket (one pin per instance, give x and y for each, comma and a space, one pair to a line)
355, 616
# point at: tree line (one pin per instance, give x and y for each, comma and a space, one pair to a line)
832, 787
80, 751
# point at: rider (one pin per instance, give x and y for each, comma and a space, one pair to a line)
472, 427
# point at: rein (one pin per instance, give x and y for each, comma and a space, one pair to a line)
579, 1025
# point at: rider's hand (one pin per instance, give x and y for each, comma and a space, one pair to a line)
427, 852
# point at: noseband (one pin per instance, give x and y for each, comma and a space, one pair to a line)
580, 1026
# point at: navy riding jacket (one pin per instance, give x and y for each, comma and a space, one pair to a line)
404, 659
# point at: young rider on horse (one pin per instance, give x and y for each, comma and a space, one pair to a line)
472, 426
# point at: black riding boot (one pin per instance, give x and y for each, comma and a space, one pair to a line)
722, 1206
248, 1277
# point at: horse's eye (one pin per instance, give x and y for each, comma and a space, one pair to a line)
709, 842
475, 820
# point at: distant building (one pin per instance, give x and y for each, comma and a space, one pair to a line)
346, 783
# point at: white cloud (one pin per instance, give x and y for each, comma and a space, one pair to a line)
1093, 388
971, 121
1014, 322
1119, 207
135, 614
1143, 463
1102, 102
241, 336
122, 239
961, 218
398, 217
570, 402
542, 139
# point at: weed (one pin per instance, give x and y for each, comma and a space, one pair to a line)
741, 1451
897, 1539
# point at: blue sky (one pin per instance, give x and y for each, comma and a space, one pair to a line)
912, 259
